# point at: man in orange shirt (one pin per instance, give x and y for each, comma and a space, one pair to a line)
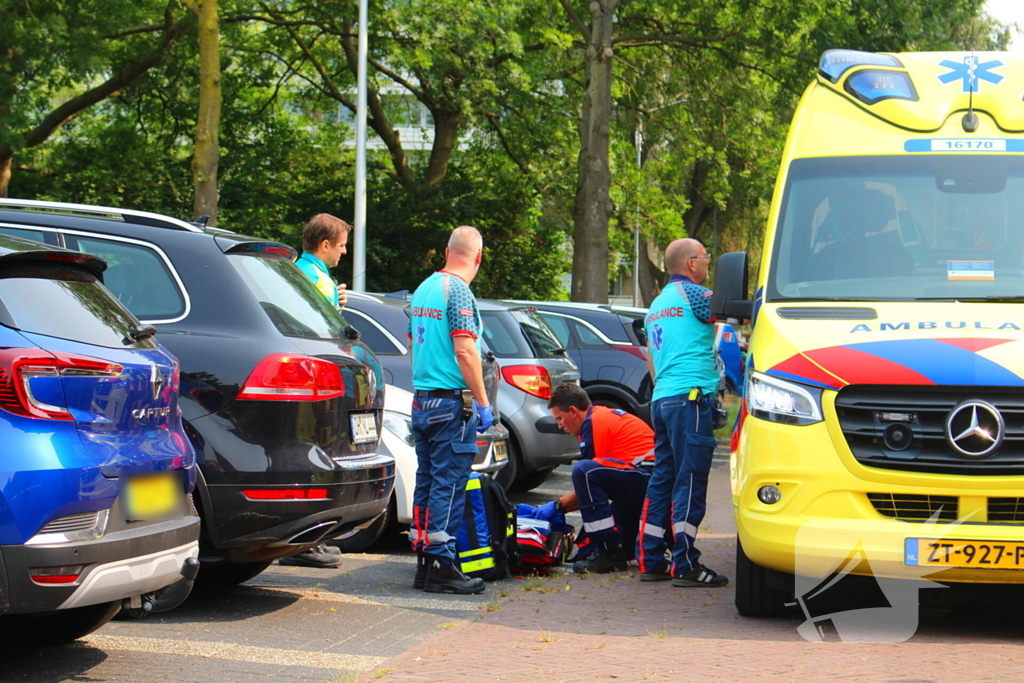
609, 481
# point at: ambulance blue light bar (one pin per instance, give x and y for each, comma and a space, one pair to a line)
874, 85
834, 63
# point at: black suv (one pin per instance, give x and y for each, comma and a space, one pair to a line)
283, 408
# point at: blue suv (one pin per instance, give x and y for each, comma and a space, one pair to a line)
96, 471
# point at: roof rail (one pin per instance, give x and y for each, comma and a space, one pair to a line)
126, 215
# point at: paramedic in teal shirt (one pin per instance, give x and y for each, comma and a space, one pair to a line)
681, 356
323, 244
449, 406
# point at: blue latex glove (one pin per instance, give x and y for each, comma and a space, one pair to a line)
525, 510
547, 512
486, 415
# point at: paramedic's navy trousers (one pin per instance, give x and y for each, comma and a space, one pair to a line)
610, 501
445, 449
684, 444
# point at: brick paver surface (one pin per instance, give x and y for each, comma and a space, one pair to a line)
615, 628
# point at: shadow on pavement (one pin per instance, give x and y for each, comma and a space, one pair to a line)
70, 662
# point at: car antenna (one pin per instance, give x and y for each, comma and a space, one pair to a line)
201, 221
970, 121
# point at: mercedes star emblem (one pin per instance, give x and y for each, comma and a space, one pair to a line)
975, 428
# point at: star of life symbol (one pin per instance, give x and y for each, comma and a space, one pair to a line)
421, 331
657, 337
818, 572
970, 72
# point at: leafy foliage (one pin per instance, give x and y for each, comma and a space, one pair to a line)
710, 85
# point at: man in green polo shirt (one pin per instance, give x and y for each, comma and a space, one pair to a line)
323, 244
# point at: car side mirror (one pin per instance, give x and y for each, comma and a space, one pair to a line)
730, 300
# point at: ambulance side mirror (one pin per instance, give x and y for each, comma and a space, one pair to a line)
730, 300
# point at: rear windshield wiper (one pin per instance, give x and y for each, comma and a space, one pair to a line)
134, 336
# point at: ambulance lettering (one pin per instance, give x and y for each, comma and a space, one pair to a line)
423, 312
672, 312
907, 326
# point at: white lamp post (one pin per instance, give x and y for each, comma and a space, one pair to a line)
359, 258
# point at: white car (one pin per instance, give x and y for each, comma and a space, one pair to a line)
396, 438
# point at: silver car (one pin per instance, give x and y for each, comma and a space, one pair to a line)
532, 362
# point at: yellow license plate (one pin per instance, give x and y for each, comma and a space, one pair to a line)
933, 552
500, 451
151, 496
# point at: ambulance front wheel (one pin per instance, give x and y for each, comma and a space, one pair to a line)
754, 596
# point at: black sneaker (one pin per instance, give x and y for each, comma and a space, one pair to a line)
421, 571
444, 577
660, 573
700, 576
319, 557
603, 561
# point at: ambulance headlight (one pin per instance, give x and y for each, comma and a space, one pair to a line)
777, 400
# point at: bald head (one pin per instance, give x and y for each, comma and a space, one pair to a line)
679, 253
465, 248
465, 242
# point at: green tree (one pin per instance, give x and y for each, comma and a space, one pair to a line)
58, 58
697, 52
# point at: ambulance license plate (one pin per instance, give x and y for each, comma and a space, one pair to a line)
364, 427
935, 552
151, 496
500, 451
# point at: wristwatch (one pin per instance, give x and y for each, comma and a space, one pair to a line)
558, 505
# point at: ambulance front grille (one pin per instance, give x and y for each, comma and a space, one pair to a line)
915, 508
866, 411
1006, 509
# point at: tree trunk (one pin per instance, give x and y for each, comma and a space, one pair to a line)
446, 131
378, 118
6, 158
207, 145
652, 278
593, 206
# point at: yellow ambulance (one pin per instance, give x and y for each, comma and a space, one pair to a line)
882, 430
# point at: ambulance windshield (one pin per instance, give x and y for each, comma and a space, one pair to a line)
901, 228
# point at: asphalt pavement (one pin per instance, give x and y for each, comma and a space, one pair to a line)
365, 622
287, 623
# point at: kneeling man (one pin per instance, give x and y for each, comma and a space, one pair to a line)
610, 480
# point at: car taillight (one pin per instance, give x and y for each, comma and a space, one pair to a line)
533, 379
288, 377
285, 494
18, 367
56, 576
